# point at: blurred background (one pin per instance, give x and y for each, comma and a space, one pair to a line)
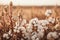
31, 2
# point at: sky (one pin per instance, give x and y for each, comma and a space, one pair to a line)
31, 2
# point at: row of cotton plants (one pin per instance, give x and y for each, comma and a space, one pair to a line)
35, 29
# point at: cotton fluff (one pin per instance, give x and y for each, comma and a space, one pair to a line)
51, 19
40, 34
33, 37
40, 27
29, 28
17, 23
5, 35
59, 34
27, 35
22, 28
34, 21
44, 22
16, 30
10, 32
56, 26
23, 22
37, 38
48, 12
16, 27
52, 34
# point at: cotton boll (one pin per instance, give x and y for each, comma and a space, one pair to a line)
15, 30
57, 26
40, 27
59, 34
37, 38
22, 39
23, 22
9, 32
23, 29
44, 22
15, 27
34, 21
40, 34
49, 35
48, 12
45, 27
52, 34
55, 35
27, 35
33, 37
29, 28
17, 23
5, 35
51, 19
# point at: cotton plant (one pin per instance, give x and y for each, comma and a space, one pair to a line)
52, 35
19, 26
48, 12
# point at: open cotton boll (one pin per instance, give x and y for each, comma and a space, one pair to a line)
34, 20
23, 22
51, 19
15, 30
33, 37
15, 27
49, 35
29, 28
22, 29
37, 38
22, 39
52, 34
9, 32
40, 34
48, 12
17, 23
5, 35
27, 35
55, 35
59, 34
40, 27
56, 26
45, 27
44, 22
